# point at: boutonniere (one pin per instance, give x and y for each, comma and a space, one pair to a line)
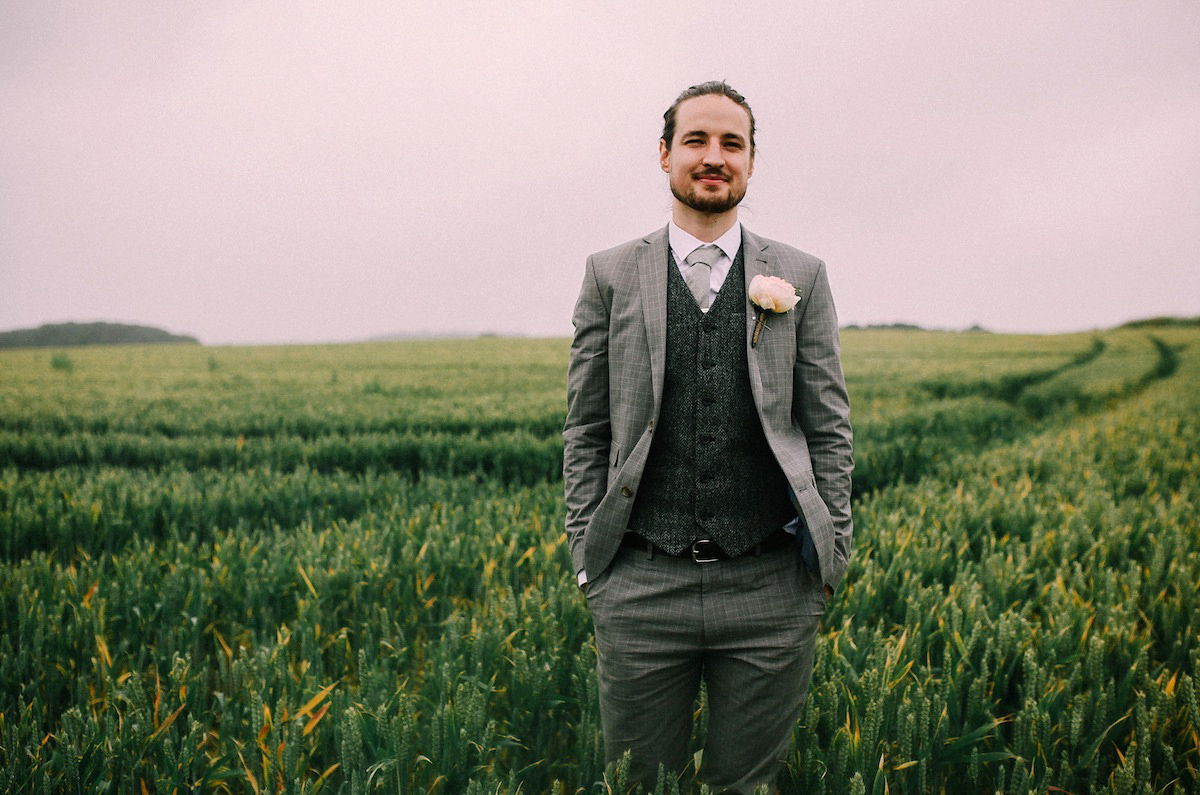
770, 294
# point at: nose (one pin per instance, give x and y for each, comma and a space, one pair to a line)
713, 156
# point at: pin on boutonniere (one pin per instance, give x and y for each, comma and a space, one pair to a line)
770, 294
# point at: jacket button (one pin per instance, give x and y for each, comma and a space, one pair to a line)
626, 491
650, 428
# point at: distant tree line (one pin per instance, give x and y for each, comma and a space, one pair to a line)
885, 327
1155, 322
61, 335
1161, 321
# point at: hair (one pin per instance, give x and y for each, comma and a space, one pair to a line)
718, 87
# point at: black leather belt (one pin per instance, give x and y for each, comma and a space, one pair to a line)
705, 550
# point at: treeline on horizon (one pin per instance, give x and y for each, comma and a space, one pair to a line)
60, 335
1158, 321
64, 335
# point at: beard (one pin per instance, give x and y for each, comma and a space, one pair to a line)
705, 203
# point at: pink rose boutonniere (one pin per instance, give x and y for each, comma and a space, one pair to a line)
770, 294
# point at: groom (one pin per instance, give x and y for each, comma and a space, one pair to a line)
707, 460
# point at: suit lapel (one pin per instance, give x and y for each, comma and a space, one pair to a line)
756, 261
652, 261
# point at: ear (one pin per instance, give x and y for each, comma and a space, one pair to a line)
664, 155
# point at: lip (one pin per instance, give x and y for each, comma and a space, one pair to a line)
711, 179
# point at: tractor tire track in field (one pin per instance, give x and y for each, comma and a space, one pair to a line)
1010, 387
979, 415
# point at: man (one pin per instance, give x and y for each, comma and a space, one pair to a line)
707, 466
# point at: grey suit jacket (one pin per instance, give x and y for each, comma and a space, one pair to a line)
615, 385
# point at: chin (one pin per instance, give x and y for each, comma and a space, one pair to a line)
714, 204
720, 201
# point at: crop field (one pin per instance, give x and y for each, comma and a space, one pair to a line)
342, 569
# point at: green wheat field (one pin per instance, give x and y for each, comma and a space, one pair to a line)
342, 569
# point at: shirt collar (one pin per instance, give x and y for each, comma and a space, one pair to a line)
684, 243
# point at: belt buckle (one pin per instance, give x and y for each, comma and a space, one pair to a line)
705, 551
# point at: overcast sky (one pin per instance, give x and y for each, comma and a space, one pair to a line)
261, 172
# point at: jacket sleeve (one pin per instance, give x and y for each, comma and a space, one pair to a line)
821, 408
587, 434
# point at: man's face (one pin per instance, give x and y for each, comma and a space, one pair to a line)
709, 162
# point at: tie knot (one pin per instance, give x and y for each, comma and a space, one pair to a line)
705, 255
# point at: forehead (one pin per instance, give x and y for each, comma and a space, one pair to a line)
713, 114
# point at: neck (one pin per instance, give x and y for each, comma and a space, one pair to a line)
705, 227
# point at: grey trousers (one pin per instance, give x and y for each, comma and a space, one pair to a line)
746, 627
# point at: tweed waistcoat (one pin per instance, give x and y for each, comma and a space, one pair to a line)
710, 472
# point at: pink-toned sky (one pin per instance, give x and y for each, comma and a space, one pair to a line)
261, 172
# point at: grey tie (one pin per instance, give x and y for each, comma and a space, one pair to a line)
698, 272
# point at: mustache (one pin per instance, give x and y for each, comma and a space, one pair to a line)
711, 172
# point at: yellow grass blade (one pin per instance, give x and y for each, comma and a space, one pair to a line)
326, 774
312, 723
312, 702
166, 724
102, 649
249, 775
307, 581
157, 696
225, 646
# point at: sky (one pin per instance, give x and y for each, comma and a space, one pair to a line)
257, 172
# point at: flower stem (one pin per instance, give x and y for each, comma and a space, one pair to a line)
758, 327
